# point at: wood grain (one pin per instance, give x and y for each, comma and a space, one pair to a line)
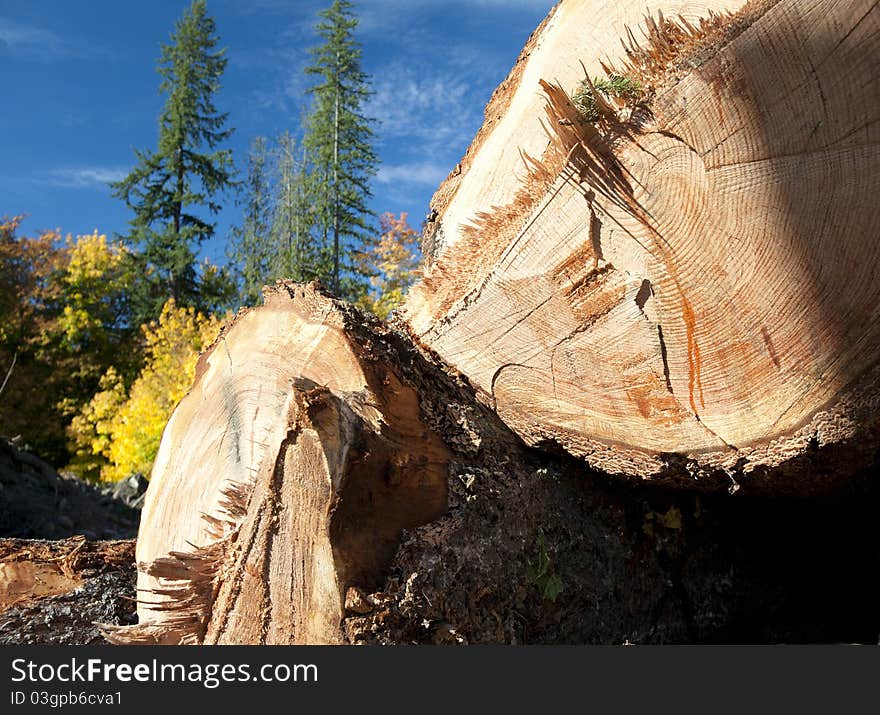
701, 278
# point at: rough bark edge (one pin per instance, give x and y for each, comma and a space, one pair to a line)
190, 582
674, 47
449, 585
837, 440
839, 432
670, 48
576, 150
493, 112
191, 576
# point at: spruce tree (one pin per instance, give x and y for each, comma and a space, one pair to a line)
338, 137
251, 249
187, 172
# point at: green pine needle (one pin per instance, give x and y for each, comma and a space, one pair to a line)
614, 87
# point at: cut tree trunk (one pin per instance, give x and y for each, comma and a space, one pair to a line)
686, 287
295, 462
679, 291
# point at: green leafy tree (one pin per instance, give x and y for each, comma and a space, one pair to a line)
251, 247
188, 171
338, 137
64, 319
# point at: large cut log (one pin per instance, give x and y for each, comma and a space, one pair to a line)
325, 481
682, 285
309, 450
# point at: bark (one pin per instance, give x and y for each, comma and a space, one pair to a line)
295, 462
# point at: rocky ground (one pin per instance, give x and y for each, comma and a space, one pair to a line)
38, 503
66, 552
58, 591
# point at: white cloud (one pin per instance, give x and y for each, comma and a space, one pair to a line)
430, 109
436, 95
38, 43
87, 177
16, 36
425, 173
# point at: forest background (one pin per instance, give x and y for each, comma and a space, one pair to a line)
100, 330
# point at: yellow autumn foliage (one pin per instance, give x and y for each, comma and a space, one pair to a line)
118, 433
393, 262
96, 274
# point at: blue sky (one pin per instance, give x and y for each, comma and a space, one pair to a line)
80, 91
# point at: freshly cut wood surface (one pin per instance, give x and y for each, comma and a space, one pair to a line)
576, 35
697, 276
284, 476
682, 288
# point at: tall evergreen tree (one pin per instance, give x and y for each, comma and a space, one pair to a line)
296, 257
338, 137
251, 249
187, 172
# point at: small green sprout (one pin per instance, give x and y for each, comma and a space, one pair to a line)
540, 572
615, 87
